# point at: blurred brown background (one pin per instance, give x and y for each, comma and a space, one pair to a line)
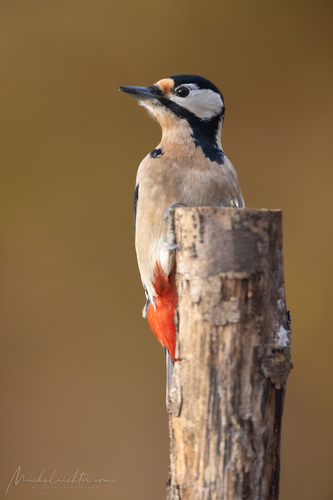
83, 383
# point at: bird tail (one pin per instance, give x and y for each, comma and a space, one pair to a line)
169, 370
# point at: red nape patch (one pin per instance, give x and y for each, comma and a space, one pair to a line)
161, 318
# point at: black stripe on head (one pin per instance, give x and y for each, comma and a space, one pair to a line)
201, 82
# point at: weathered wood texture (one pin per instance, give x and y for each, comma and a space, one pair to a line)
234, 333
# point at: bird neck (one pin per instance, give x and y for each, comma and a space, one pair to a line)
176, 132
179, 135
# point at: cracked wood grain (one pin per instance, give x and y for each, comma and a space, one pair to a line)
233, 350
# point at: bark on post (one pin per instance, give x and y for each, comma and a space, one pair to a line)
226, 400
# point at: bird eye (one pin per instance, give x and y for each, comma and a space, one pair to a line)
183, 91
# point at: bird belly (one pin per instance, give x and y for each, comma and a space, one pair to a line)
162, 182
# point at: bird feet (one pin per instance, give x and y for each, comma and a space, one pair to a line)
234, 203
169, 217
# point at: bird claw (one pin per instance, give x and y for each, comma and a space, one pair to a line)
169, 217
170, 211
234, 203
172, 247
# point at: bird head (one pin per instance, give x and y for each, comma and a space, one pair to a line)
184, 102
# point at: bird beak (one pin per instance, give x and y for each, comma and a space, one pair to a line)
143, 93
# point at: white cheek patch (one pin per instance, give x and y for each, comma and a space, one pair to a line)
204, 103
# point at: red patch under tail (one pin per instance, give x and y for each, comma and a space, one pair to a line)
161, 318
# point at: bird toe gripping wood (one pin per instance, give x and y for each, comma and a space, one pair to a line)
169, 217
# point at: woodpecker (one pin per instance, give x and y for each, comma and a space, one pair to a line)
187, 167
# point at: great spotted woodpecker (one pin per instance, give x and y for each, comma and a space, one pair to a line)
189, 167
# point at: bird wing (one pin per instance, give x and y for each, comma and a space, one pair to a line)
135, 203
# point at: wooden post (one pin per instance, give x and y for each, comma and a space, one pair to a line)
233, 345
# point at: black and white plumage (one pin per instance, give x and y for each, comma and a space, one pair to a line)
188, 166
